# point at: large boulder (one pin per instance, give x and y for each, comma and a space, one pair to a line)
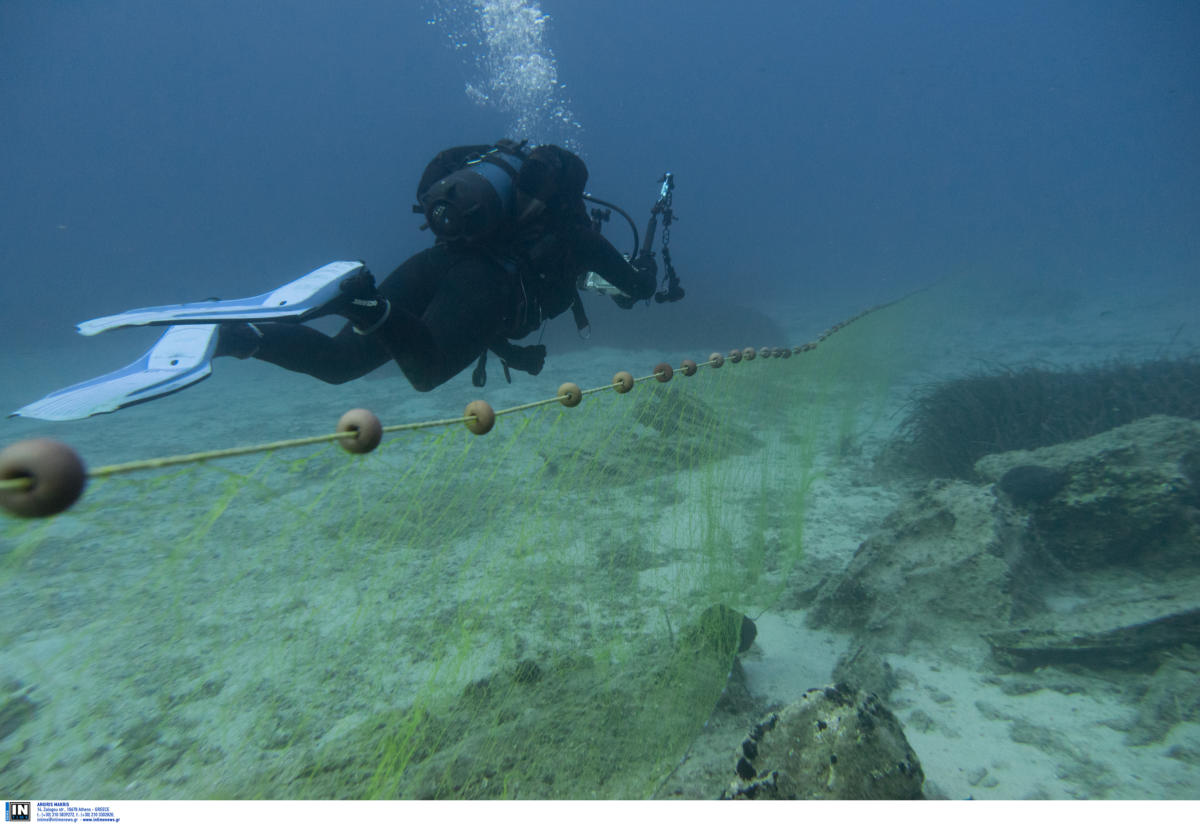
1098, 536
942, 562
834, 743
1128, 497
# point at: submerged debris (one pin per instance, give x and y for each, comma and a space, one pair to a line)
1121, 646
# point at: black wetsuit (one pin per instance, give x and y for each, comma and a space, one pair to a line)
451, 303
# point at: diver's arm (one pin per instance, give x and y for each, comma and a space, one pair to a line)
596, 254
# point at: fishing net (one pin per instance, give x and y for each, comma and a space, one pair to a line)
548, 610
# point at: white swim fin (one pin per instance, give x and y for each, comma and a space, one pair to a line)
180, 358
296, 301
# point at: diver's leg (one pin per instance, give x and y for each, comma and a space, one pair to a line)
444, 308
337, 359
347, 355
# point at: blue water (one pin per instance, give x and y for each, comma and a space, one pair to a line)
155, 152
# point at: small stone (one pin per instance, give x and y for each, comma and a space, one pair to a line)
990, 711
14, 712
939, 696
921, 721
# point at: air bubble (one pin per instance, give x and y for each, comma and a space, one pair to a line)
518, 73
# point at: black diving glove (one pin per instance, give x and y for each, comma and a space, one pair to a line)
361, 302
648, 269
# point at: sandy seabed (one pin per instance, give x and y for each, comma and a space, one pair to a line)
957, 718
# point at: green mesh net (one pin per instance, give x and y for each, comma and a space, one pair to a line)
550, 610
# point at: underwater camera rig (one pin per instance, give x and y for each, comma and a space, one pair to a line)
670, 290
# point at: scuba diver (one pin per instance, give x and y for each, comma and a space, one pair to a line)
514, 247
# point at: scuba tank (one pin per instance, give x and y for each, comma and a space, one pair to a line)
472, 203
